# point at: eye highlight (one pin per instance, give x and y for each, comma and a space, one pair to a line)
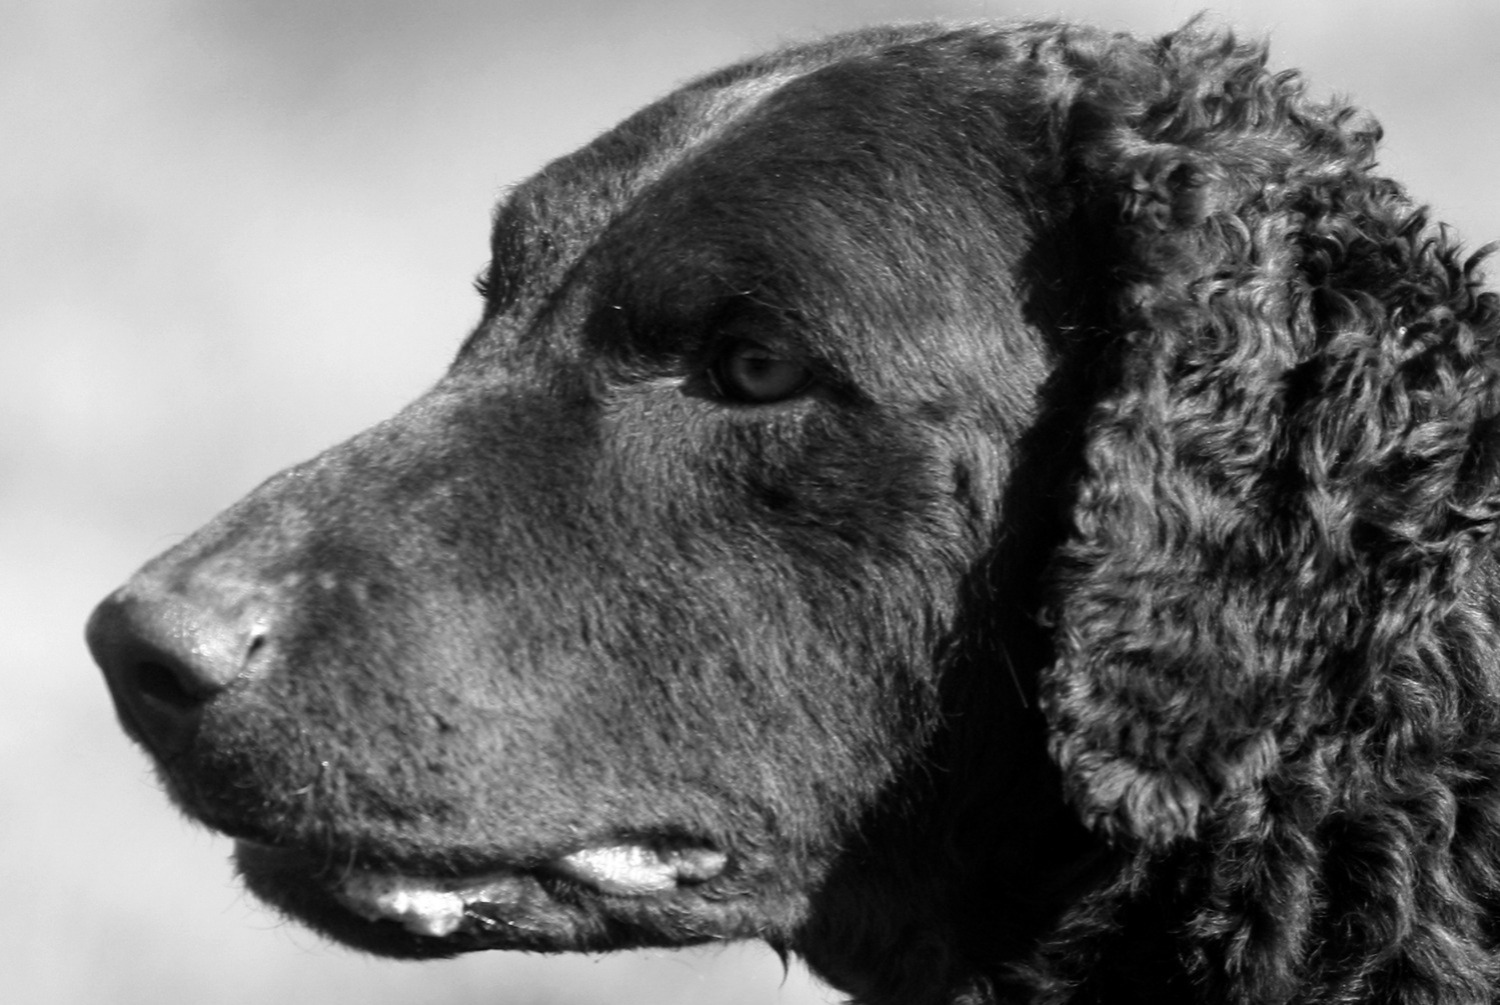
754, 374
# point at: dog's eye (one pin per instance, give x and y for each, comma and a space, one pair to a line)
754, 374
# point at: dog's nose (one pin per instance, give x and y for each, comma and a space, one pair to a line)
168, 653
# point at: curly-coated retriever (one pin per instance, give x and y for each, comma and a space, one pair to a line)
1007, 513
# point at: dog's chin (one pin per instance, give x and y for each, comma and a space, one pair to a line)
609, 896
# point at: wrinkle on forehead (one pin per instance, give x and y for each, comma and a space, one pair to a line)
547, 223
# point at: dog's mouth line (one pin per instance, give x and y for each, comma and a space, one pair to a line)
441, 906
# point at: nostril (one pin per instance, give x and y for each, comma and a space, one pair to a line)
167, 656
159, 683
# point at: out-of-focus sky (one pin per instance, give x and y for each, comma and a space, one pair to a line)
233, 232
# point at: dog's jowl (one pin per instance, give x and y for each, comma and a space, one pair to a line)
1007, 513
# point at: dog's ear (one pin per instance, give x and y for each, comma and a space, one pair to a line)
1283, 529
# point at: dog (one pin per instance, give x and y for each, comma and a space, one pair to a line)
1004, 512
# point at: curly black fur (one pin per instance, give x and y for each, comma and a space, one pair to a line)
1110, 615
1276, 618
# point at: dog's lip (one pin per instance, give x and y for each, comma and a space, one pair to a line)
440, 906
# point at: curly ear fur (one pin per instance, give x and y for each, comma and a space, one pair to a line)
1276, 615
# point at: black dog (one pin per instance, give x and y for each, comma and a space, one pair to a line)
1007, 513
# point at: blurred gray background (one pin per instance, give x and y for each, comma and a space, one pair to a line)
235, 232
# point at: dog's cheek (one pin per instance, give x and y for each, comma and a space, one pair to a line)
686, 630
858, 523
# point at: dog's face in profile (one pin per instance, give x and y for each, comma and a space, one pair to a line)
837, 431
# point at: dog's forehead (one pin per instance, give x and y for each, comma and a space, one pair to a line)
546, 224
577, 193
780, 169
543, 225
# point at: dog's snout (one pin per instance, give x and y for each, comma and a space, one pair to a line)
167, 654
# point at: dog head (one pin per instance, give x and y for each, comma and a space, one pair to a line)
842, 435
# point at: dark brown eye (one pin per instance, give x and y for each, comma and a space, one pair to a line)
753, 374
